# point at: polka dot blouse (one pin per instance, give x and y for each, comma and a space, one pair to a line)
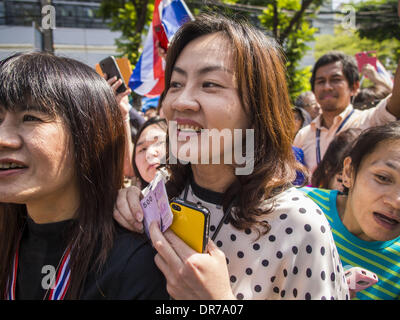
296, 259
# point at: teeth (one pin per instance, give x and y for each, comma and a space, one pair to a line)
188, 127
10, 166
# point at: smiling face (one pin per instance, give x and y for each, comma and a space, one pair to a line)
373, 205
36, 162
203, 92
331, 88
150, 151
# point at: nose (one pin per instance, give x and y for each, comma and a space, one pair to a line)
185, 100
393, 199
152, 153
327, 85
9, 135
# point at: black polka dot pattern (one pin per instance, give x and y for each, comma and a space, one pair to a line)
296, 259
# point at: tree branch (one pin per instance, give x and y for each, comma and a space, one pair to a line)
276, 20
304, 5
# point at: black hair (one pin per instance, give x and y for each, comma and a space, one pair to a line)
73, 91
368, 141
162, 123
349, 66
332, 162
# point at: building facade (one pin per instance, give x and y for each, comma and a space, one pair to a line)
79, 33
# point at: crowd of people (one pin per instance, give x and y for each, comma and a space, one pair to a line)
323, 194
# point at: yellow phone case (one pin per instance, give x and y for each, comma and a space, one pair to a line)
191, 223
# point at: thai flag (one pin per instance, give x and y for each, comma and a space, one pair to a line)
147, 78
383, 72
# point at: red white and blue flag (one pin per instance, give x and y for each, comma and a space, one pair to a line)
147, 78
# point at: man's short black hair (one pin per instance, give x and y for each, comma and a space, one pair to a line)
349, 66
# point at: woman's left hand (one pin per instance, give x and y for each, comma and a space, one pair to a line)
191, 275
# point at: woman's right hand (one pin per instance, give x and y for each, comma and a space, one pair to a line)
127, 210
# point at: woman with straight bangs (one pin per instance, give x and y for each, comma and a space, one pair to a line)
61, 165
268, 240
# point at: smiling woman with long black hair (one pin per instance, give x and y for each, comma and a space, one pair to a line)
61, 158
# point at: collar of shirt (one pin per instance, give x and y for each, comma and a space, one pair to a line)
316, 123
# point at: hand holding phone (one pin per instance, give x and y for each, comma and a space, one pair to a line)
366, 57
110, 67
359, 278
161, 36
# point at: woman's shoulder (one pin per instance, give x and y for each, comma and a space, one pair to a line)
293, 201
293, 212
130, 271
128, 241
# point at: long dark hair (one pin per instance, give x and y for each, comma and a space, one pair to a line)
260, 75
369, 140
332, 162
162, 124
87, 105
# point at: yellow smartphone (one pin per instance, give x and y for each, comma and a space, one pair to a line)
191, 223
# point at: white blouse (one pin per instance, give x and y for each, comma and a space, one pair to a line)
296, 259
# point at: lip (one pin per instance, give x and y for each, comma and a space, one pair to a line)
182, 121
14, 171
328, 96
385, 224
154, 165
9, 160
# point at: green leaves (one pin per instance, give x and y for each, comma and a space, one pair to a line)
289, 22
378, 19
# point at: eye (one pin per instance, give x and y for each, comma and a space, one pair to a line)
142, 150
209, 84
175, 84
383, 179
29, 118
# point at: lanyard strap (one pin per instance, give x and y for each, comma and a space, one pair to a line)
224, 217
61, 283
318, 136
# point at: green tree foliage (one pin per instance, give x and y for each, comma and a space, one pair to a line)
131, 17
349, 42
288, 21
378, 19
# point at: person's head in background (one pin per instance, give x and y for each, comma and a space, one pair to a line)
306, 100
369, 97
61, 121
371, 173
334, 81
301, 118
149, 149
328, 174
149, 107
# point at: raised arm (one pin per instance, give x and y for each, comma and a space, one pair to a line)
393, 105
